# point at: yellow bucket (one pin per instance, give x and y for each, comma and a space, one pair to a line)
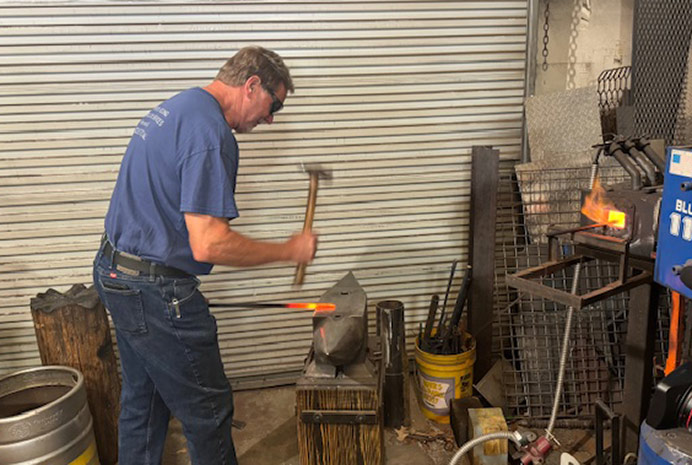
442, 378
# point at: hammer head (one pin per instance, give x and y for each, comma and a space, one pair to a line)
318, 170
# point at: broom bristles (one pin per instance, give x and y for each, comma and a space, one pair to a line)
339, 444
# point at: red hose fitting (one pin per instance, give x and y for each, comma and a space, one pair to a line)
536, 451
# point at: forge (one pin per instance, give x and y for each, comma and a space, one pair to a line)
618, 224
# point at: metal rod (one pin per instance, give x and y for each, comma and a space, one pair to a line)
458, 310
322, 306
449, 285
429, 322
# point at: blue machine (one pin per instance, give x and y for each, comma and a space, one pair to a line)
674, 249
664, 447
672, 444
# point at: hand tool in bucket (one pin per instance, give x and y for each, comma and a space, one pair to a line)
451, 338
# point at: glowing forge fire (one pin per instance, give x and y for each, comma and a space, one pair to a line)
598, 209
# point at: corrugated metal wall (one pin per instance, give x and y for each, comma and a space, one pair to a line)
391, 95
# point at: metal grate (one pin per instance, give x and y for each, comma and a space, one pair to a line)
662, 30
613, 92
530, 328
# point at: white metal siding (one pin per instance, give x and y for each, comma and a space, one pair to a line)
391, 95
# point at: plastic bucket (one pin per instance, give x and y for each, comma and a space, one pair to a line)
442, 378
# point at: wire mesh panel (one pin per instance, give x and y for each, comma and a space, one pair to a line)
660, 50
613, 92
531, 328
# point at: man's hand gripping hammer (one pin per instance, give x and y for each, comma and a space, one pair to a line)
316, 172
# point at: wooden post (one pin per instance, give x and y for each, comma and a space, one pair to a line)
72, 330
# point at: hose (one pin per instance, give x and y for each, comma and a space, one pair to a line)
514, 436
568, 330
563, 357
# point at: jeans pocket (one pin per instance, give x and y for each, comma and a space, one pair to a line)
185, 289
187, 301
125, 306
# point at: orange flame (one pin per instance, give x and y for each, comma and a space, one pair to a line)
318, 307
597, 208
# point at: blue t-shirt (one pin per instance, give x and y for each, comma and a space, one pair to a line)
182, 157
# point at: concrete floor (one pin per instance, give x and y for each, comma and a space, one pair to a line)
270, 436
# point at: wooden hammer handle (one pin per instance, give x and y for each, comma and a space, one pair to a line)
307, 225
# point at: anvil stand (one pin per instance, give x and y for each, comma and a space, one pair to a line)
635, 275
339, 395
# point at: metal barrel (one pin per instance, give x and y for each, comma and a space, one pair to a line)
45, 418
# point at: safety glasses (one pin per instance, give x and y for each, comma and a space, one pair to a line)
277, 104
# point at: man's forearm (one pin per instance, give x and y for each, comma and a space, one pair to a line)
236, 249
213, 241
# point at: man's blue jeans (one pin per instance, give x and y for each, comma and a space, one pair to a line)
170, 363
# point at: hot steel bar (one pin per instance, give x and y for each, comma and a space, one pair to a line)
316, 306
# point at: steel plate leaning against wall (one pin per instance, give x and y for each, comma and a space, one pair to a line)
45, 418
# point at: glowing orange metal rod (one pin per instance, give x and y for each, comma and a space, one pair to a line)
315, 306
318, 307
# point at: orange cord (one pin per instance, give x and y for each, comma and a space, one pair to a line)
676, 331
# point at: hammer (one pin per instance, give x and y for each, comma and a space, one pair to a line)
316, 172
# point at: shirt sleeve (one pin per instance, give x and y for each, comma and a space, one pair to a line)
208, 180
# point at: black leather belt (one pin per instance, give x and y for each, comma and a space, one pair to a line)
135, 265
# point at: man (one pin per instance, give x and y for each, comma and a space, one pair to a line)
168, 221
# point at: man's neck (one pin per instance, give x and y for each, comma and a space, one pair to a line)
226, 96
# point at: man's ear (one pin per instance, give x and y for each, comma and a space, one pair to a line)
252, 84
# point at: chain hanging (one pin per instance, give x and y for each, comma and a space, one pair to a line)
546, 39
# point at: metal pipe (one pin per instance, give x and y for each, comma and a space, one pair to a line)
615, 150
567, 423
644, 145
393, 343
642, 161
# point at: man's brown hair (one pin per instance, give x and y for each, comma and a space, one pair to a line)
255, 60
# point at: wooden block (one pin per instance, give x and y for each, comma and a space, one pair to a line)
483, 421
72, 330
